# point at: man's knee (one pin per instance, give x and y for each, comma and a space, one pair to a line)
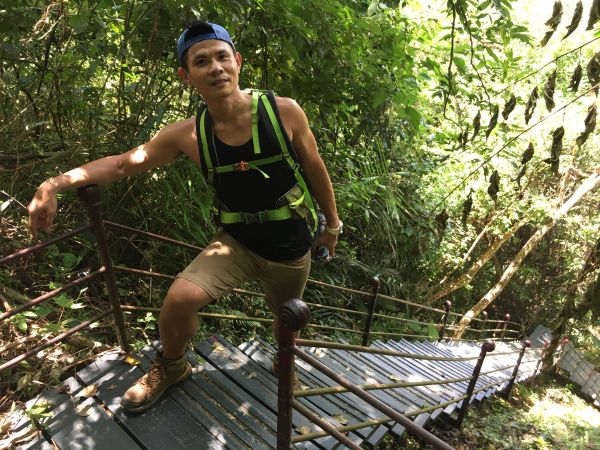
186, 296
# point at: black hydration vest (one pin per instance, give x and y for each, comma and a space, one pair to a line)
262, 199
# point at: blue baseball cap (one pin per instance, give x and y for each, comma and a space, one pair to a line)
201, 31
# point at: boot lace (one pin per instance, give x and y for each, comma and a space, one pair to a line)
153, 376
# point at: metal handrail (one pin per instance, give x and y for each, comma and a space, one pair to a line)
55, 340
295, 315
182, 244
42, 245
409, 425
159, 275
51, 294
380, 351
401, 384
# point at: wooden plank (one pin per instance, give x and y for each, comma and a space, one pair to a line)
79, 423
166, 425
379, 363
456, 368
451, 369
461, 368
421, 420
348, 405
447, 369
200, 395
367, 366
263, 387
359, 367
397, 398
424, 369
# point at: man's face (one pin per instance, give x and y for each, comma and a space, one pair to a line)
213, 68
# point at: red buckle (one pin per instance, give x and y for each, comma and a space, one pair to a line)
241, 166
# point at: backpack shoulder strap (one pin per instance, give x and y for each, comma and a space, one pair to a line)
276, 131
255, 136
286, 146
204, 133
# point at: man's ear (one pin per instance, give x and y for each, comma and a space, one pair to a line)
183, 75
238, 59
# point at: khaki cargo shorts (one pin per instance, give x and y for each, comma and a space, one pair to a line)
226, 263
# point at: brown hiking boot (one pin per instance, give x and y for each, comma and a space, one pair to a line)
147, 390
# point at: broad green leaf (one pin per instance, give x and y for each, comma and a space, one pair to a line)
80, 21
63, 301
379, 97
69, 261
433, 331
21, 323
414, 326
43, 310
413, 116
373, 8
52, 327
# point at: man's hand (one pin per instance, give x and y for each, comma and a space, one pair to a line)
42, 209
326, 240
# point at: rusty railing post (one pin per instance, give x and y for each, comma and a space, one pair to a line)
484, 325
91, 196
375, 285
293, 316
487, 346
537, 366
447, 306
505, 326
506, 392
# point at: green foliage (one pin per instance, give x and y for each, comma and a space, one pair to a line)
82, 80
39, 413
543, 417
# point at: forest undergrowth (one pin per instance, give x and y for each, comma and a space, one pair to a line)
548, 415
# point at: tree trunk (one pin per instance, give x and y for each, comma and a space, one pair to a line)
591, 183
591, 300
468, 276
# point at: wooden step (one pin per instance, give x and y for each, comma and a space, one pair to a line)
362, 368
427, 370
348, 406
177, 421
262, 386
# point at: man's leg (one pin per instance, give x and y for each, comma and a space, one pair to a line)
283, 281
177, 324
178, 319
221, 266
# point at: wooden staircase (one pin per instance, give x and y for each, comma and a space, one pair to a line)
230, 401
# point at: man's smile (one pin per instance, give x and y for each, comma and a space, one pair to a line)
220, 82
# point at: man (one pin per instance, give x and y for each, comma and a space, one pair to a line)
261, 238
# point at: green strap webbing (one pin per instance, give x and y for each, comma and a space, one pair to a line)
207, 159
252, 164
255, 138
299, 178
271, 215
282, 213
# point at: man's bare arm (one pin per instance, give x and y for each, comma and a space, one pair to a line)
162, 149
313, 167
